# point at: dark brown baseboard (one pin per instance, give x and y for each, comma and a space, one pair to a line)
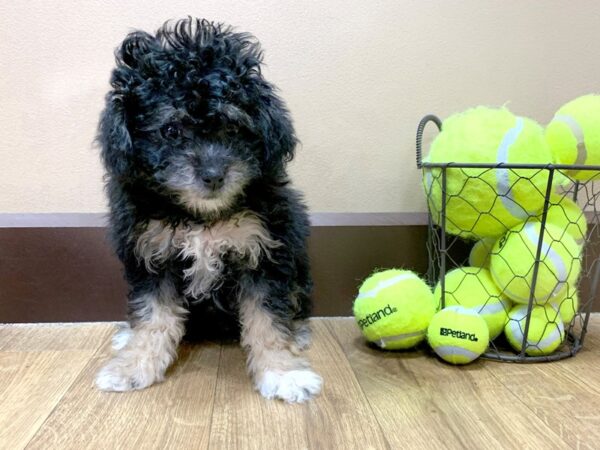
59, 275
69, 273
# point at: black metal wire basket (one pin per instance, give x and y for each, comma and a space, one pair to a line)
450, 249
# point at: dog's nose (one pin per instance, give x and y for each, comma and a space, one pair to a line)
213, 179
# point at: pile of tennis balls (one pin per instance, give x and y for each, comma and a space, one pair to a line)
395, 309
500, 212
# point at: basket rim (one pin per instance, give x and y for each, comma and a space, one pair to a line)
422, 163
549, 166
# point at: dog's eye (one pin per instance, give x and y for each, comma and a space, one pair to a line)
171, 131
231, 129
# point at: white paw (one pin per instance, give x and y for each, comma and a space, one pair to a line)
121, 374
294, 386
121, 337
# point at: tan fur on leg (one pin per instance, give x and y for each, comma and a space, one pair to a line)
273, 361
151, 346
302, 336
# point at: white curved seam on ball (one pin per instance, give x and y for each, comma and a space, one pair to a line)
384, 340
384, 285
577, 133
553, 337
461, 310
519, 311
450, 350
492, 308
517, 332
546, 251
503, 175
553, 256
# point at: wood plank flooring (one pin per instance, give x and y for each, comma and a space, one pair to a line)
371, 399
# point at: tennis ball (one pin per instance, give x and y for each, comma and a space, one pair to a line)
564, 212
568, 306
458, 335
546, 330
513, 257
487, 202
393, 309
480, 253
574, 135
473, 288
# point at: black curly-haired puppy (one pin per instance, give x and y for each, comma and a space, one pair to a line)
195, 143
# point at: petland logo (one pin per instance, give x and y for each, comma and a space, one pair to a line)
458, 334
374, 317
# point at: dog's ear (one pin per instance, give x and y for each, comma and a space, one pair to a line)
133, 59
113, 136
277, 132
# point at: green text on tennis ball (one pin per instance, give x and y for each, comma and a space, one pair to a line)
474, 288
513, 258
393, 309
458, 335
487, 202
546, 330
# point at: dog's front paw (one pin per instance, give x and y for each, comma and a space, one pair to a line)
121, 374
294, 386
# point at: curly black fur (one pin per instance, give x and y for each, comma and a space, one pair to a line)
190, 104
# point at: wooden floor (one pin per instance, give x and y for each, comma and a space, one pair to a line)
371, 399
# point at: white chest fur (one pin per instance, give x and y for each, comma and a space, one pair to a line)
243, 234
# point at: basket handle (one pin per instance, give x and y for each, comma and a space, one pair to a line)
424, 121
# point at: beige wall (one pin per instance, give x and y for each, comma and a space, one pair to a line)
357, 75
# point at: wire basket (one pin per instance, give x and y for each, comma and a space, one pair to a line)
450, 247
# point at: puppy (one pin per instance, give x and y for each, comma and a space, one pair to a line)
195, 144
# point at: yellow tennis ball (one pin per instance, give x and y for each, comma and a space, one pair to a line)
473, 288
458, 335
513, 257
393, 309
568, 306
480, 252
564, 213
574, 135
487, 202
546, 330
